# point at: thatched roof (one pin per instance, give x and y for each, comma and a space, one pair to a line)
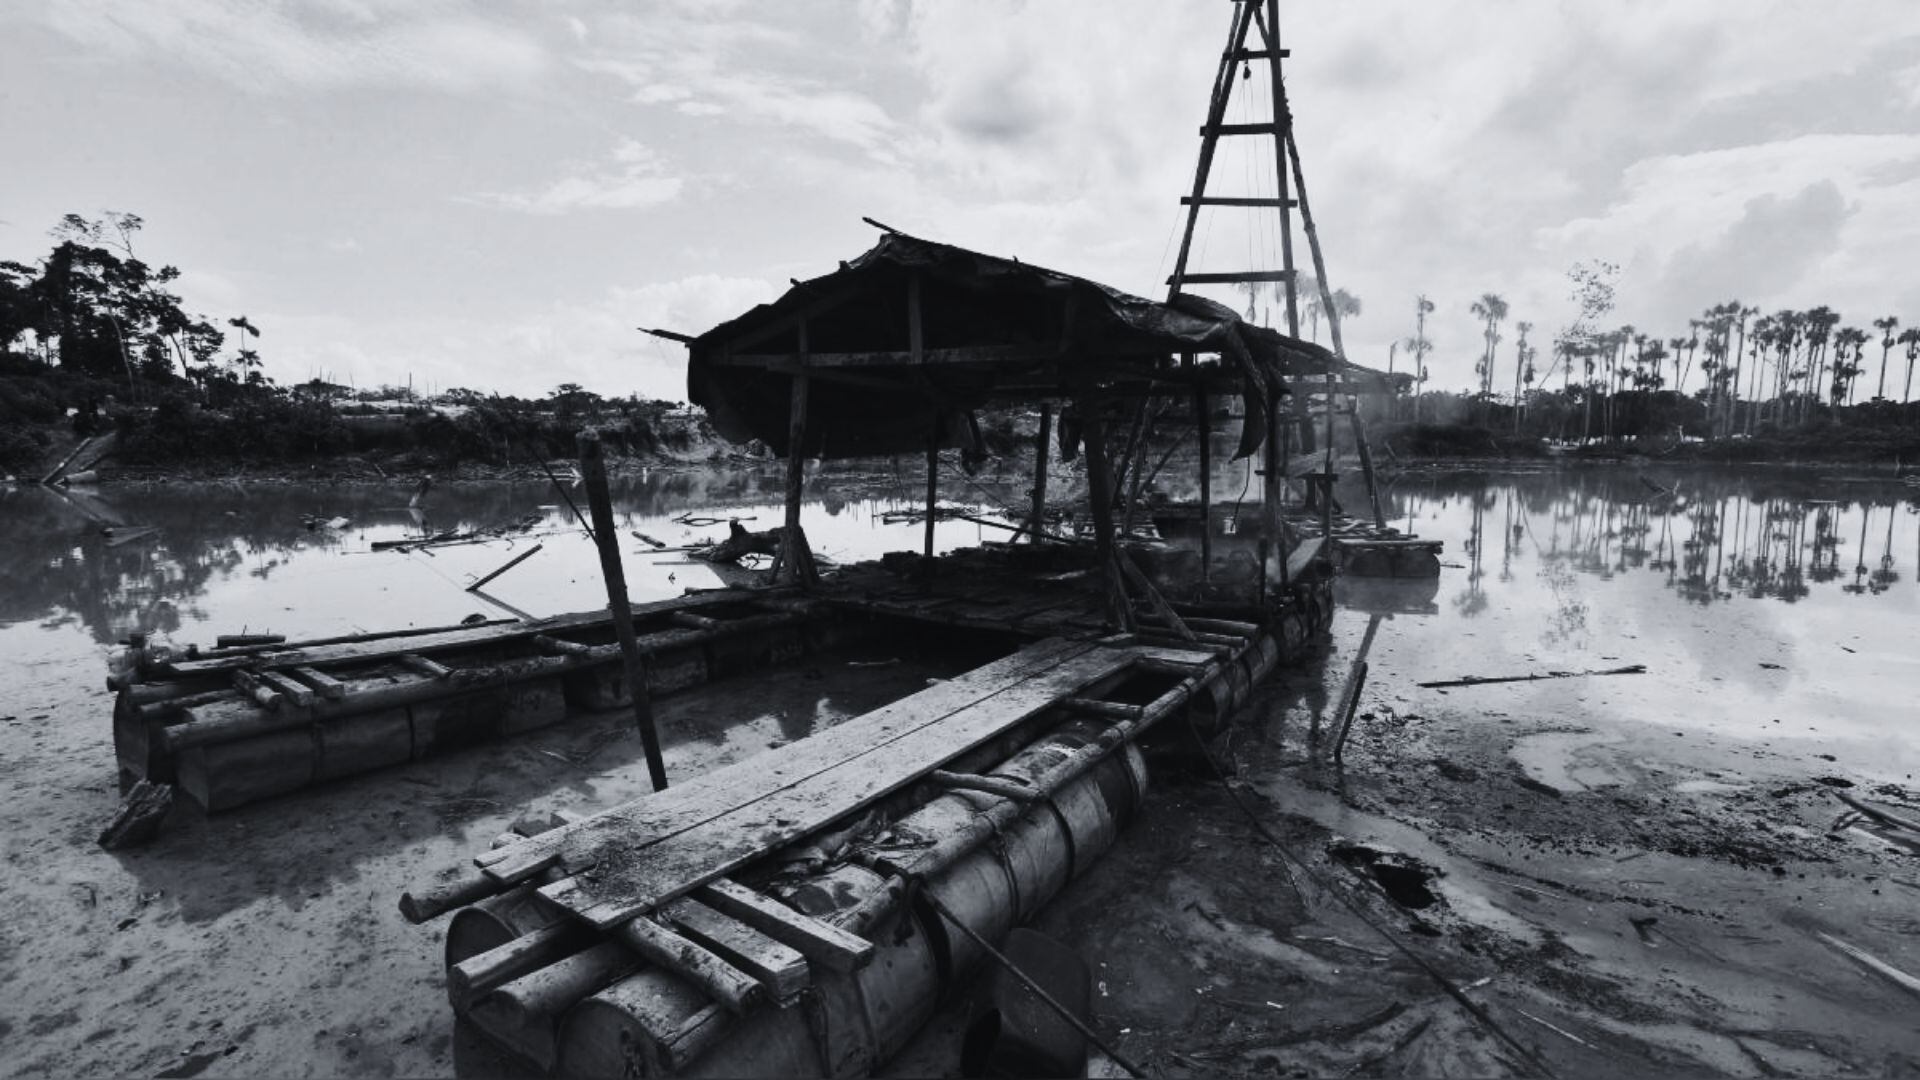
914, 334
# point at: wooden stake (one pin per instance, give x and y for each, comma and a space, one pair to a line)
793, 542
1366, 465
594, 470
1036, 522
511, 563
1204, 420
933, 493
1100, 500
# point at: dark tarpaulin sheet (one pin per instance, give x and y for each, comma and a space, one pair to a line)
892, 409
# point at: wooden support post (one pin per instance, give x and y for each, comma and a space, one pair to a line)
1273, 485
1356, 681
933, 493
1036, 522
593, 470
1203, 419
793, 541
1366, 465
1326, 491
1100, 501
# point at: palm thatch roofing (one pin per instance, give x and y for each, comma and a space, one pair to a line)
910, 337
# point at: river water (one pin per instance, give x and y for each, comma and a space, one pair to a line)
1779, 605
1772, 611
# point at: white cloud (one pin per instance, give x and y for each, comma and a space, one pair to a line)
594, 342
274, 46
636, 180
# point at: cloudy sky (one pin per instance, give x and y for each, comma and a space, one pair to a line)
494, 195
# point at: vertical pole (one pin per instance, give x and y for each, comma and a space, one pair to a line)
1366, 465
1283, 124
1100, 500
798, 560
1040, 448
933, 492
1326, 492
1273, 526
1202, 410
593, 471
793, 540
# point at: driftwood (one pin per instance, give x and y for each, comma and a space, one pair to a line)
138, 821
1872, 963
1477, 680
1882, 816
741, 542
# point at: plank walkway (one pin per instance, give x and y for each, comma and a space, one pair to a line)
633, 858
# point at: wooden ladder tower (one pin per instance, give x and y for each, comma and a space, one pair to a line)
1245, 48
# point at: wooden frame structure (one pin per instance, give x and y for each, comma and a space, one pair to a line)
894, 351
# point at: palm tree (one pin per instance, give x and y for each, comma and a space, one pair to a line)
1522, 369
1886, 327
1910, 337
1421, 347
1494, 310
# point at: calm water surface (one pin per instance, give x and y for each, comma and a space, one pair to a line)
1764, 604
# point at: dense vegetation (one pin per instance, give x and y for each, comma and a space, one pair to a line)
91, 339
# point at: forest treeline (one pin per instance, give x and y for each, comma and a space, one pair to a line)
93, 338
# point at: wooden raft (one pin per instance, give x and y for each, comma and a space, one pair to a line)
634, 858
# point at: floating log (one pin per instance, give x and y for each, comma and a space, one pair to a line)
510, 564
1478, 680
231, 641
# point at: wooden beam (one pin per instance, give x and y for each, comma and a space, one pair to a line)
1234, 200
779, 968
1100, 502
1242, 55
916, 330
1233, 277
823, 303
1268, 128
593, 471
971, 354
933, 495
1035, 521
821, 943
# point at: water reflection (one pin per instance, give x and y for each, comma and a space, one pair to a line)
223, 558
1709, 537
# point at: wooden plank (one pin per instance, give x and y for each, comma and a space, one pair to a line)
297, 692
330, 688
782, 970
821, 943
1303, 556
727, 984
450, 639
1265, 128
630, 883
701, 799
1234, 200
1232, 278
424, 666
972, 354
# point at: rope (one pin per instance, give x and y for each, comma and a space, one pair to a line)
913, 884
1452, 989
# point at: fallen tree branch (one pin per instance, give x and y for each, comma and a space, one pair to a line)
1478, 680
1878, 814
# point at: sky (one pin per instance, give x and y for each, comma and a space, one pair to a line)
497, 195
